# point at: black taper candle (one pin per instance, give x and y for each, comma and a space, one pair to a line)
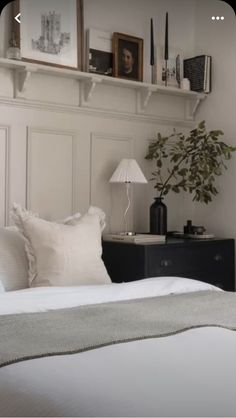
166, 39
151, 45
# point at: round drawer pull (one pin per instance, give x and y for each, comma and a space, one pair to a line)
166, 263
218, 257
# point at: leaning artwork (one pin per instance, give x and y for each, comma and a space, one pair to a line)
51, 32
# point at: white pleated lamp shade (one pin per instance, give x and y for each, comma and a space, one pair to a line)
128, 171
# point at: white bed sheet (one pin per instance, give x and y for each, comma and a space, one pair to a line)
192, 373
40, 299
189, 374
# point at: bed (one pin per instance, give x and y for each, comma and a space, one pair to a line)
190, 372
72, 343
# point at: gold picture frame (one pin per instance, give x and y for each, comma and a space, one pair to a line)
127, 56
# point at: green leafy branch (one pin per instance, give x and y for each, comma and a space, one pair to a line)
193, 162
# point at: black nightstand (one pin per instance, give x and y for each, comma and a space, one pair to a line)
210, 261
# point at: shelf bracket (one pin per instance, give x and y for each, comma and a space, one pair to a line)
143, 98
192, 106
22, 78
145, 95
89, 88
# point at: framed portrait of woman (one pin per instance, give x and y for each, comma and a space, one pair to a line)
127, 56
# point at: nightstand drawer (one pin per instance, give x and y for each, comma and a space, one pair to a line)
210, 261
178, 260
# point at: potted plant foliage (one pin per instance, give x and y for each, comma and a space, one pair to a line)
186, 162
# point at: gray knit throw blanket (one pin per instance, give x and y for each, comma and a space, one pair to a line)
73, 330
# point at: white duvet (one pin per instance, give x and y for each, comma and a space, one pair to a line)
192, 373
46, 298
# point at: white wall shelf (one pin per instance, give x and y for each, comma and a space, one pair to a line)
23, 71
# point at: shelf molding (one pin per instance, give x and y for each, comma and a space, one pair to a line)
88, 83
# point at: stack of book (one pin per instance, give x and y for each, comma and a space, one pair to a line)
198, 71
136, 239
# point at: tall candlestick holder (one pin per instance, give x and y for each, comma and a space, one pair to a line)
166, 49
153, 78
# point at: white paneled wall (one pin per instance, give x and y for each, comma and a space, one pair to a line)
64, 148
4, 172
51, 172
61, 162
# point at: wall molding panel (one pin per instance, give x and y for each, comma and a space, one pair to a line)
4, 174
106, 151
52, 172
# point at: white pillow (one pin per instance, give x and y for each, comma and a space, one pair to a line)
93, 210
62, 254
13, 260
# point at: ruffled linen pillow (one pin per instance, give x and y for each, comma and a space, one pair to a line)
63, 254
13, 260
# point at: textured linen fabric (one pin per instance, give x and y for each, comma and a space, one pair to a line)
13, 260
26, 336
62, 254
93, 210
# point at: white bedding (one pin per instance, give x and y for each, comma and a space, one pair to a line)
46, 298
192, 373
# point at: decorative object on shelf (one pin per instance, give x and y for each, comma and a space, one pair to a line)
185, 84
158, 217
13, 51
52, 32
128, 56
178, 77
198, 71
196, 231
189, 162
99, 52
174, 66
127, 172
166, 56
192, 231
152, 53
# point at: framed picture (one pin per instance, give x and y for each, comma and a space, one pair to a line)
174, 66
51, 32
128, 56
99, 52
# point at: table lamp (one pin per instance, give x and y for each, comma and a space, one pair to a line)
127, 172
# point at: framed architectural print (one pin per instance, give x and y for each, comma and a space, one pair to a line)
128, 56
51, 32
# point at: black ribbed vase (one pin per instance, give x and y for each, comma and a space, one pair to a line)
158, 217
